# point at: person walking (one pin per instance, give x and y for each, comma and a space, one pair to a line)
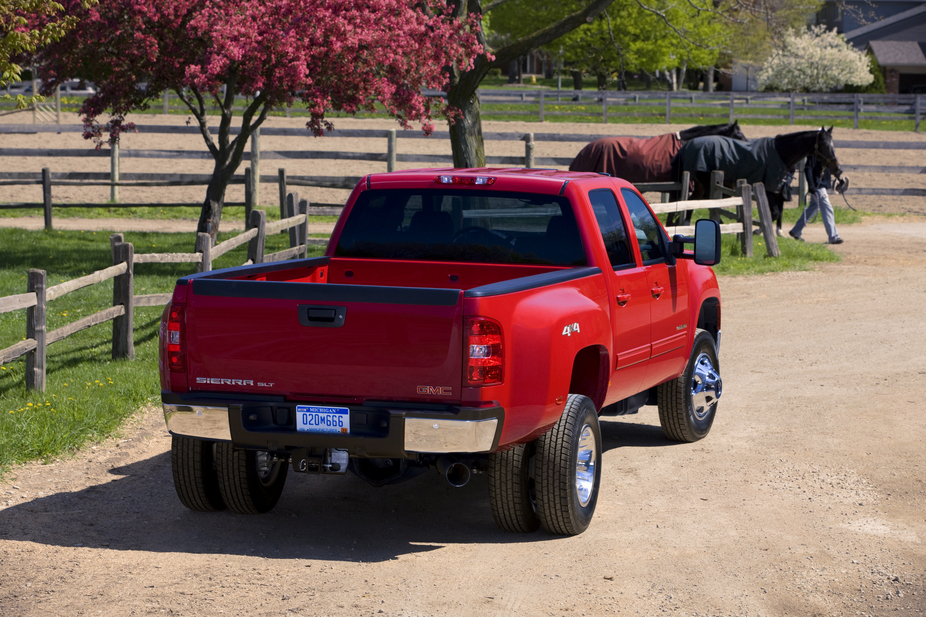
818, 180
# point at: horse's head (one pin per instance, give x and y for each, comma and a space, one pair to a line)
826, 152
735, 132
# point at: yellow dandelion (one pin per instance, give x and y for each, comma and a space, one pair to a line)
28, 404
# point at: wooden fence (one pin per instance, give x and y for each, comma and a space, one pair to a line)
391, 156
538, 103
121, 313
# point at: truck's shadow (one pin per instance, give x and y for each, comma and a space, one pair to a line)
319, 517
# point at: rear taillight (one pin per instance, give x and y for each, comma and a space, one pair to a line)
483, 351
176, 350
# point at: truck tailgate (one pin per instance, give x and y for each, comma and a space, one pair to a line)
325, 341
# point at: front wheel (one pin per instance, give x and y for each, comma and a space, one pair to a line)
251, 482
688, 404
568, 469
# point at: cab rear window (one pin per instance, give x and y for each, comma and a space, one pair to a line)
462, 225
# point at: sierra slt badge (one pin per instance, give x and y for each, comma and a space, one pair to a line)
219, 381
435, 390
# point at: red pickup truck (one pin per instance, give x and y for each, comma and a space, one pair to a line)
473, 320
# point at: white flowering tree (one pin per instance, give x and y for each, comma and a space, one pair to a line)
816, 60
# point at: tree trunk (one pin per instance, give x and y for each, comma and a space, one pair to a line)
211, 215
466, 134
576, 79
602, 78
709, 80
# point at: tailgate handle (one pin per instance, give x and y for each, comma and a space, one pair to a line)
322, 316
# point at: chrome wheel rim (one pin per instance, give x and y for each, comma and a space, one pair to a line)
706, 387
586, 465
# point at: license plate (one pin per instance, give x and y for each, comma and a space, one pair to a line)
312, 419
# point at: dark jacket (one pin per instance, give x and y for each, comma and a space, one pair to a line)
818, 176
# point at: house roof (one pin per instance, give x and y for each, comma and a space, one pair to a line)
899, 53
868, 31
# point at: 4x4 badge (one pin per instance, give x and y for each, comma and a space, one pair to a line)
568, 330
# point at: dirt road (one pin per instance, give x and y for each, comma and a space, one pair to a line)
807, 498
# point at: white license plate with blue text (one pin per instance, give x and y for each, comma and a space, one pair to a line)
312, 419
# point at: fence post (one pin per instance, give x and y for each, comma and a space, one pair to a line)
114, 173
604, 107
541, 106
745, 217
255, 166
165, 98
292, 201
716, 193
528, 150
302, 231
36, 329
765, 220
916, 105
791, 108
801, 184
115, 239
123, 292
668, 108
204, 246
248, 196
35, 106
281, 174
256, 245
58, 102
731, 109
46, 196
858, 105
390, 150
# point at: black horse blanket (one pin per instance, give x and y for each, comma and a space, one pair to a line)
754, 161
631, 158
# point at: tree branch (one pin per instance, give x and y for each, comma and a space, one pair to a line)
546, 35
493, 5
199, 112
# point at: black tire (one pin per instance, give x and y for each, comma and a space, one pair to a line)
251, 482
511, 488
688, 404
195, 479
562, 506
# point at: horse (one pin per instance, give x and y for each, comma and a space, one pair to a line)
770, 160
644, 159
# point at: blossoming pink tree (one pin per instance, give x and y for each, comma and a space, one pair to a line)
341, 55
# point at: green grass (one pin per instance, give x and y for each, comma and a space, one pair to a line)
795, 256
88, 395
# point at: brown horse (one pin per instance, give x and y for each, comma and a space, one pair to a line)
644, 159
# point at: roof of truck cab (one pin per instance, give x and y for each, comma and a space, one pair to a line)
533, 178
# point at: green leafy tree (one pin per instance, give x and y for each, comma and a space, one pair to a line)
627, 36
26, 25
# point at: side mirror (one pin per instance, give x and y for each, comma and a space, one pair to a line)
707, 242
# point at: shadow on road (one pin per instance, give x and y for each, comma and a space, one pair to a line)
338, 518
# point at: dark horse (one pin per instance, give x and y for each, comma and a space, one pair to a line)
770, 160
644, 159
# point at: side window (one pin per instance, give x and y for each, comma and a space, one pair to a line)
649, 233
613, 232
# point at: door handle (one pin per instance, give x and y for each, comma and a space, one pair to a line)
623, 299
657, 291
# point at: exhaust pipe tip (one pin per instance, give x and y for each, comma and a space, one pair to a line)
456, 473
